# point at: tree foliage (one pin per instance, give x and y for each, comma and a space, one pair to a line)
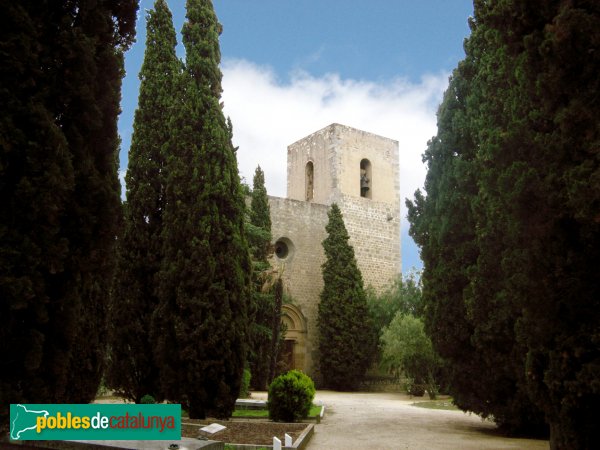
260, 217
346, 336
403, 296
408, 349
264, 313
61, 66
520, 226
442, 224
200, 327
132, 370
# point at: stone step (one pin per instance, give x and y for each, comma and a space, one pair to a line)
246, 403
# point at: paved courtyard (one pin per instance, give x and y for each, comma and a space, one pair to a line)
389, 421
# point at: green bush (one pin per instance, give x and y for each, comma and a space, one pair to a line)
290, 397
147, 400
245, 387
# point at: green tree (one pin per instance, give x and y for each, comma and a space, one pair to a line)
403, 296
491, 308
346, 336
200, 327
537, 214
61, 66
529, 293
442, 224
407, 348
132, 371
260, 217
473, 337
277, 328
263, 307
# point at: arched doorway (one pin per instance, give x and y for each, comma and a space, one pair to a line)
293, 353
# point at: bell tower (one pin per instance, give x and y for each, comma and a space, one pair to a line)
360, 172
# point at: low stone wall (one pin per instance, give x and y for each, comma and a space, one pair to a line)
383, 384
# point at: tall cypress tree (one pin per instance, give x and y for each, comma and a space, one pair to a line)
264, 313
132, 370
260, 217
200, 327
538, 228
492, 308
61, 72
346, 334
471, 336
564, 354
442, 225
531, 294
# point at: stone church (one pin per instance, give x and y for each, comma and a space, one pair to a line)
360, 172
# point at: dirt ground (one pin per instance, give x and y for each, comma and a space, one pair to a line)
251, 432
389, 421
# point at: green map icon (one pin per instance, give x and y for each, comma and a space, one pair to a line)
23, 419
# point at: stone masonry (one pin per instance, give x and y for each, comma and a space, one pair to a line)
360, 172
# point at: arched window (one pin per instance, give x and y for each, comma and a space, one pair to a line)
366, 180
310, 183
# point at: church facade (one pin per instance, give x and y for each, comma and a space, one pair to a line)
360, 172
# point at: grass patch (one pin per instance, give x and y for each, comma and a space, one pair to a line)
445, 404
264, 413
250, 413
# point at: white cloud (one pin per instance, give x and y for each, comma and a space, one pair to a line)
269, 114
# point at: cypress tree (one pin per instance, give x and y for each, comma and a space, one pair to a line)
346, 334
471, 328
200, 327
107, 30
260, 217
442, 224
531, 291
61, 68
262, 308
539, 200
491, 307
132, 371
277, 329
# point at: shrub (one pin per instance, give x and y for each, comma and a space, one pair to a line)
147, 400
290, 397
414, 389
245, 387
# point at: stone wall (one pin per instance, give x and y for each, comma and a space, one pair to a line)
301, 226
374, 229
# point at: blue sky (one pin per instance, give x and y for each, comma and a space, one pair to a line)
292, 67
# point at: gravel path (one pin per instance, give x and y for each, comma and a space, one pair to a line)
389, 421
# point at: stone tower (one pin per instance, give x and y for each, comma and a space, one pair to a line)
360, 172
